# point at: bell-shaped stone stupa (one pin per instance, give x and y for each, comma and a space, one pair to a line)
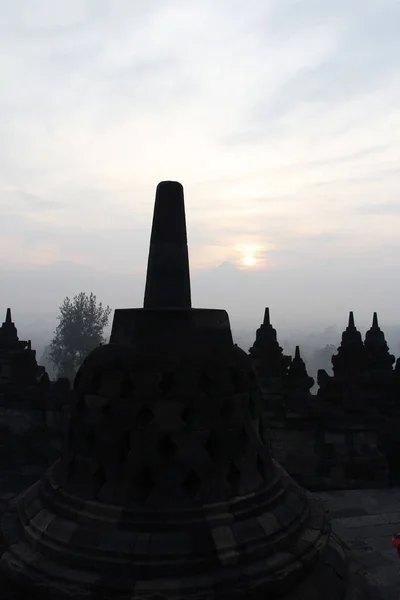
378, 357
297, 382
166, 489
268, 358
349, 362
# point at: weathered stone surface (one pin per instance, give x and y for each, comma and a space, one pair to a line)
365, 520
324, 449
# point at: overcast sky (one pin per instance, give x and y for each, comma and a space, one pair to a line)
281, 118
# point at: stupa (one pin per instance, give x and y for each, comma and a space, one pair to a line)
349, 363
268, 358
378, 357
166, 489
18, 364
347, 387
297, 383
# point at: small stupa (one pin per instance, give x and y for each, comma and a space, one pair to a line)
267, 355
350, 361
18, 365
297, 383
378, 357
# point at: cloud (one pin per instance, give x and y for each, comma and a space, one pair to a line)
280, 117
389, 208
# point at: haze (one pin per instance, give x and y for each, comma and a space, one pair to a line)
281, 118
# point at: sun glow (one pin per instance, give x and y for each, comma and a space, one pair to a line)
249, 260
250, 256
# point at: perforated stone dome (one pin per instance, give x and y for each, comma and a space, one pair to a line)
165, 432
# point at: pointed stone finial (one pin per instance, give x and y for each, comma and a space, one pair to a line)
349, 361
168, 278
8, 331
267, 355
297, 377
378, 357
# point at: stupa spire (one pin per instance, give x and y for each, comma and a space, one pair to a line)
297, 379
350, 357
378, 356
267, 354
8, 331
168, 279
17, 354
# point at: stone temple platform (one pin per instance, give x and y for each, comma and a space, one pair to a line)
364, 519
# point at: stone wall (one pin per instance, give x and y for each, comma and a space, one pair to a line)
32, 431
321, 448
324, 452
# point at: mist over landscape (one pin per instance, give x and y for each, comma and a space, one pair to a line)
239, 291
280, 118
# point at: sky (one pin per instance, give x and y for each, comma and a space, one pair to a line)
281, 118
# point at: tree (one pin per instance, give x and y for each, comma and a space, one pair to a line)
80, 330
322, 358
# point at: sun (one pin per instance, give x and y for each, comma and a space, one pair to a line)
249, 256
249, 260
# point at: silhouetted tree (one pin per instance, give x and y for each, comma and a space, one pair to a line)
81, 325
322, 358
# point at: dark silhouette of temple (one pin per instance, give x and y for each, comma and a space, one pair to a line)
166, 487
282, 377
17, 359
268, 358
346, 436
33, 410
362, 370
296, 382
364, 377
